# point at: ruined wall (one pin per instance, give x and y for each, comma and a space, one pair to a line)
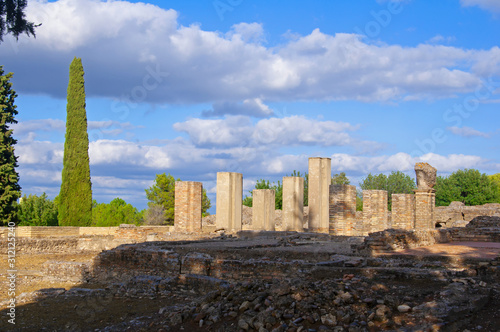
457, 214
374, 211
403, 211
188, 199
342, 209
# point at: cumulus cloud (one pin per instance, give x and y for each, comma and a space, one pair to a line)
467, 132
251, 107
404, 162
287, 131
490, 5
23, 128
137, 52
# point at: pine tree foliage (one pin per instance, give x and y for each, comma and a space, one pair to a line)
75, 197
13, 20
10, 190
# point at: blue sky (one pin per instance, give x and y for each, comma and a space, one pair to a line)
196, 87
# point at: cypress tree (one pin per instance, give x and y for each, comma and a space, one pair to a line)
10, 190
75, 197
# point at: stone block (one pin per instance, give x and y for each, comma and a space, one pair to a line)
293, 203
229, 201
320, 170
263, 206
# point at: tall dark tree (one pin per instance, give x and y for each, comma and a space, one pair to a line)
13, 20
75, 197
10, 190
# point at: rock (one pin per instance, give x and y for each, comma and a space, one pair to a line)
245, 306
426, 176
404, 308
243, 325
329, 320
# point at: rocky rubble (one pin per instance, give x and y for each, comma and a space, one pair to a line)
351, 303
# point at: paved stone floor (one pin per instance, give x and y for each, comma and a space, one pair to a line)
481, 250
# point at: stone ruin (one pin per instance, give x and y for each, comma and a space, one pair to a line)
332, 208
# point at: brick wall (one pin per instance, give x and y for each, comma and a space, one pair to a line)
342, 209
403, 211
375, 211
188, 200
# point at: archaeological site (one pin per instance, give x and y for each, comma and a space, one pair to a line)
324, 267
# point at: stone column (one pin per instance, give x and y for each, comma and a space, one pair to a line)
342, 209
320, 175
229, 201
375, 210
293, 203
425, 200
188, 198
263, 207
425, 196
403, 211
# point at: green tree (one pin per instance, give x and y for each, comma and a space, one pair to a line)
10, 190
13, 20
468, 186
395, 183
115, 213
75, 197
162, 192
36, 210
495, 178
278, 190
340, 178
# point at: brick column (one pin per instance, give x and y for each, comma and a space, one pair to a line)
293, 203
188, 198
320, 175
375, 210
342, 209
229, 201
425, 201
403, 211
263, 207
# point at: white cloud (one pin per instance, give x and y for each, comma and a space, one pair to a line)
437, 39
287, 131
404, 162
231, 131
251, 107
491, 5
23, 128
467, 132
136, 52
